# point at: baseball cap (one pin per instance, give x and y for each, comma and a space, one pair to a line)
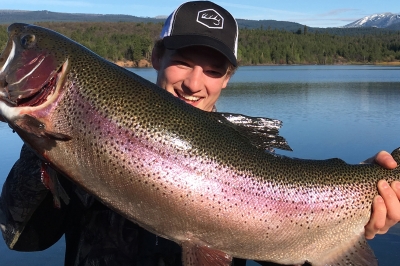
202, 23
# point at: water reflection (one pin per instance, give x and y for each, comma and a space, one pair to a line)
310, 74
10, 147
323, 120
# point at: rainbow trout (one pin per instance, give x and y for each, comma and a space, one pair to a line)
182, 173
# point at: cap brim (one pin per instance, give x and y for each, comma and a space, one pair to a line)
182, 41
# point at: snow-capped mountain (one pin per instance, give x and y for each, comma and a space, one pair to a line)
377, 20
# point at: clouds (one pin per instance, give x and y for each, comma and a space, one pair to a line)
334, 18
311, 13
337, 12
257, 12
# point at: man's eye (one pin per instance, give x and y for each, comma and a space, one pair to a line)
179, 62
214, 73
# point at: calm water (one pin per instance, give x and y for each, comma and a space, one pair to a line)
350, 112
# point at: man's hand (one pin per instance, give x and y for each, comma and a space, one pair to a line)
386, 206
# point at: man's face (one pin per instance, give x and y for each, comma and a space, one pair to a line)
194, 74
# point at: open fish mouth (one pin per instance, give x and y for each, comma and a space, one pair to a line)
41, 95
28, 74
35, 97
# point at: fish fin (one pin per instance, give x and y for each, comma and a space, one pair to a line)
50, 180
32, 125
196, 255
262, 132
360, 253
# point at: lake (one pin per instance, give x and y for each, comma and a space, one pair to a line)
350, 112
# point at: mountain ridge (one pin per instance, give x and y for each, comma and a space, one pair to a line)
379, 20
26, 16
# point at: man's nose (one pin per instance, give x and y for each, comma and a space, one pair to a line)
194, 80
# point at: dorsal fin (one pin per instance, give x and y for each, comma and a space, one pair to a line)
262, 132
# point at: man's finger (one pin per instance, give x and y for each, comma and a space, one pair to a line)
385, 159
378, 218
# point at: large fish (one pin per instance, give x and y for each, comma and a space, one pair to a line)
180, 172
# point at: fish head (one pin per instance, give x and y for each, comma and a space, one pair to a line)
28, 70
33, 69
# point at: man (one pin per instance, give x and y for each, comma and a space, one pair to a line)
195, 59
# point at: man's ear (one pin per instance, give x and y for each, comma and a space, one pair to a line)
225, 83
155, 59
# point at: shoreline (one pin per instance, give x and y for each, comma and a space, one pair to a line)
143, 63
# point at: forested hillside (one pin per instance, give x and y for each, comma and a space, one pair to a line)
260, 46
132, 41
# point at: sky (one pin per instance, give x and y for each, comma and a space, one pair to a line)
313, 13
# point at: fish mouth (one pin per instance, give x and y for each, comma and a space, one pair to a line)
37, 96
41, 95
28, 76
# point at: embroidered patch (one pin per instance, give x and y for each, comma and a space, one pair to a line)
211, 19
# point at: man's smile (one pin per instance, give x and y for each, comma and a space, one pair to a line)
186, 97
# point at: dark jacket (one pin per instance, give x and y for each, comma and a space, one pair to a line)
94, 234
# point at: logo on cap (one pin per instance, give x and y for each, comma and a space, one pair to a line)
211, 19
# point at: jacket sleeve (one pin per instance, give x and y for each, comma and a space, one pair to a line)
28, 219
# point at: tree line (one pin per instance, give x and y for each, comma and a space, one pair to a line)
130, 41
258, 46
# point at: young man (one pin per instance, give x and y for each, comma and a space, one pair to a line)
195, 59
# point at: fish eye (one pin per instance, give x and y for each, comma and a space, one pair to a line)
28, 41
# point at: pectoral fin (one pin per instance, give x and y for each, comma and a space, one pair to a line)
32, 125
50, 180
196, 255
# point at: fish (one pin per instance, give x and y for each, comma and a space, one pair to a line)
194, 177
